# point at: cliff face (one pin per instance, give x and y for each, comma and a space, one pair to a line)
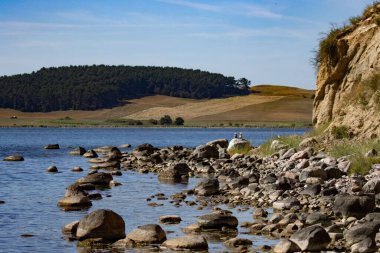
354, 59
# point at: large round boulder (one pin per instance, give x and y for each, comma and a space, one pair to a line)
102, 223
358, 206
175, 172
361, 237
147, 234
206, 151
313, 238
237, 145
207, 187
189, 242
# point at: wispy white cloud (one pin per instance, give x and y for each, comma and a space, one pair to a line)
241, 33
234, 8
193, 5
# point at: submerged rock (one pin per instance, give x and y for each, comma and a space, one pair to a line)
14, 158
98, 178
78, 151
189, 242
52, 169
52, 146
170, 219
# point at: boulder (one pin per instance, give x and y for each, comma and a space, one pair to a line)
98, 178
286, 204
175, 172
358, 206
361, 237
236, 242
312, 172
145, 149
52, 169
217, 220
207, 187
223, 143
189, 242
289, 153
206, 152
311, 190
147, 234
127, 145
74, 202
14, 158
52, 146
90, 154
308, 142
71, 228
239, 146
333, 172
204, 167
372, 186
313, 238
286, 246
101, 223
78, 151
318, 218
277, 145
170, 219
77, 169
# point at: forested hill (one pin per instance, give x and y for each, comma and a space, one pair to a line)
95, 87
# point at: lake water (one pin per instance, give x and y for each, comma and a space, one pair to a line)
31, 194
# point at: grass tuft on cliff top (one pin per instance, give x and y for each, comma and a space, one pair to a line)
327, 49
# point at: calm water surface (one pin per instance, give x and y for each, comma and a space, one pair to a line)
31, 194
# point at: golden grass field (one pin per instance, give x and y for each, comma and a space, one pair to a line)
267, 103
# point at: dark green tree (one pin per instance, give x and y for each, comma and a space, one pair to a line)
100, 86
179, 121
166, 120
153, 121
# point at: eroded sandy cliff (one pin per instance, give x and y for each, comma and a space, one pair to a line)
350, 60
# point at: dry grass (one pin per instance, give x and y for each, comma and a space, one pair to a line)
267, 104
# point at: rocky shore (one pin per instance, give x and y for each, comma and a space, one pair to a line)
316, 205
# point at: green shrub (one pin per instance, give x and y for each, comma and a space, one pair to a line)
377, 21
355, 20
340, 132
139, 122
179, 121
291, 141
153, 121
327, 51
166, 120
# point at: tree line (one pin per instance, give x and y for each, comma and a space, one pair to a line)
101, 86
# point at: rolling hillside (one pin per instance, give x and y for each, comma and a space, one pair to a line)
266, 103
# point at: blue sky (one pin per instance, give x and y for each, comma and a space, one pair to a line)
266, 41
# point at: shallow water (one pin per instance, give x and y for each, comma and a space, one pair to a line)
31, 194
